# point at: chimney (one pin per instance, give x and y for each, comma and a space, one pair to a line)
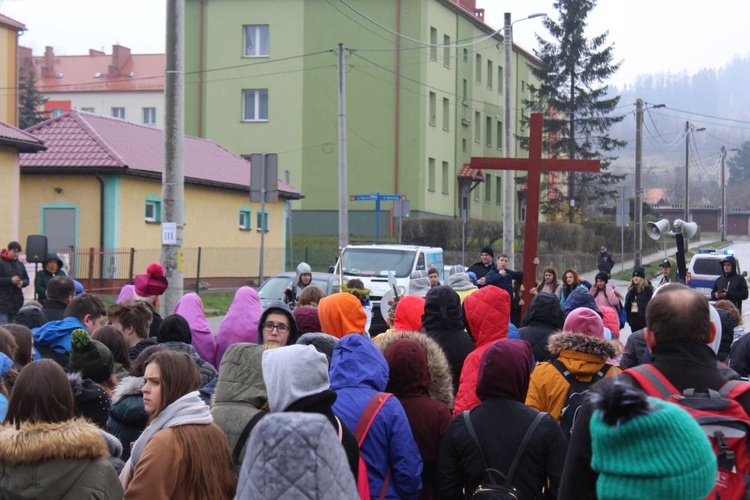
48, 67
25, 58
120, 57
470, 6
94, 52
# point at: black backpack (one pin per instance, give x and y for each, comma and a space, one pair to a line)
494, 484
576, 394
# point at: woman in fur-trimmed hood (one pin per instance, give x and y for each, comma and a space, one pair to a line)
583, 350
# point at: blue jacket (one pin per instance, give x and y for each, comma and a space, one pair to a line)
505, 282
56, 334
358, 371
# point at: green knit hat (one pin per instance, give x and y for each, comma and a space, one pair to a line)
660, 452
90, 357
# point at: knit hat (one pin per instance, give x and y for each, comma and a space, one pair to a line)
30, 316
584, 320
472, 276
408, 316
488, 251
602, 276
91, 400
90, 357
151, 283
639, 271
292, 373
174, 328
78, 288
649, 448
307, 319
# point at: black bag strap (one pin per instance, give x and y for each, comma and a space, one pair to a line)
572, 378
245, 434
519, 452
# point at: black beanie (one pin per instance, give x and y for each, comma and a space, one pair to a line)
602, 276
174, 328
488, 251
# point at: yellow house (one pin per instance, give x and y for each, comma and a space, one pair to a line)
96, 194
9, 31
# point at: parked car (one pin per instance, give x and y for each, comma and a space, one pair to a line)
273, 288
705, 268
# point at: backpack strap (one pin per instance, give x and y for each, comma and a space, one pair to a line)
365, 422
572, 378
652, 381
519, 452
245, 434
734, 389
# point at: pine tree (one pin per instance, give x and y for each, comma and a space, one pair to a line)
739, 165
573, 95
30, 100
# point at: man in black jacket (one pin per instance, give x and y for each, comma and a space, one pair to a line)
60, 291
605, 261
13, 278
678, 329
481, 268
731, 286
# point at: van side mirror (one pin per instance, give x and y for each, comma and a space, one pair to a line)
331, 268
744, 274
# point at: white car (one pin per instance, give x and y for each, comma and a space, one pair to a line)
705, 267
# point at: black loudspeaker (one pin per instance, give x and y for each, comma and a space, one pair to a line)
36, 248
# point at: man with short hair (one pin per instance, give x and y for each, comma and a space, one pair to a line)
678, 329
730, 286
485, 264
133, 319
60, 291
665, 276
605, 261
13, 278
503, 277
433, 276
52, 340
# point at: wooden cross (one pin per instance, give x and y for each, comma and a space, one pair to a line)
534, 165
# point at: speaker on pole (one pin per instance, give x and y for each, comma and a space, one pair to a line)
656, 229
36, 248
688, 229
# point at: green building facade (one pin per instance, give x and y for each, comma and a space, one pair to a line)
262, 76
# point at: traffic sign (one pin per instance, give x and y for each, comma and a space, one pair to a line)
362, 197
392, 197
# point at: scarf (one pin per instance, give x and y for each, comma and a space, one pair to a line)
187, 410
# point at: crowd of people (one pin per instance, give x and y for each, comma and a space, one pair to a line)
298, 400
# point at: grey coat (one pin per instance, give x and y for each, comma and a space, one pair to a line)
295, 455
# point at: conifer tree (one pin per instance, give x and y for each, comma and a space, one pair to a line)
739, 165
30, 100
573, 94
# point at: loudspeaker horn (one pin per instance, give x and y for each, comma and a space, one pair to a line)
688, 229
654, 230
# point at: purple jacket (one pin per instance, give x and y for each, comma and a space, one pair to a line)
190, 307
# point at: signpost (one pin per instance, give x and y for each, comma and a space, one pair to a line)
377, 198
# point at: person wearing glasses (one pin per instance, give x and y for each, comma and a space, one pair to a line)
277, 326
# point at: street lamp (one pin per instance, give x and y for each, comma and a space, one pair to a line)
688, 130
509, 188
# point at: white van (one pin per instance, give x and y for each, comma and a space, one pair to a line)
373, 263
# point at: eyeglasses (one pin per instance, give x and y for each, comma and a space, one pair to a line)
268, 327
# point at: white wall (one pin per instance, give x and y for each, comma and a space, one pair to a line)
103, 102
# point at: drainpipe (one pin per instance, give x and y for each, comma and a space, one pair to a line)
200, 70
101, 224
397, 114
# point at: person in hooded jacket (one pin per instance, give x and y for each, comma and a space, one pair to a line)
543, 319
296, 378
52, 268
503, 381
279, 314
730, 286
174, 334
45, 452
461, 284
583, 350
307, 449
487, 313
443, 322
358, 372
13, 278
409, 381
341, 314
240, 393
408, 314
307, 319
190, 307
241, 322
303, 278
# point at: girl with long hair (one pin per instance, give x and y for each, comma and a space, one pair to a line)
181, 428
571, 280
637, 298
549, 282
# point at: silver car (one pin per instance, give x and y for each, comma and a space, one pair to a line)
273, 288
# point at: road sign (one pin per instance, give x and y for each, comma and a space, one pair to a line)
362, 197
392, 197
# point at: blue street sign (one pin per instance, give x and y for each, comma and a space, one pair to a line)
377, 198
392, 197
362, 197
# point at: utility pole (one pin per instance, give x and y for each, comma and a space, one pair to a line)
173, 178
723, 195
509, 191
572, 151
343, 184
687, 171
638, 181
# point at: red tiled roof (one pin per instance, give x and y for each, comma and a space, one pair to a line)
85, 141
78, 74
12, 136
467, 172
12, 23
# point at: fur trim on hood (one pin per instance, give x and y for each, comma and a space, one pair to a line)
580, 342
33, 443
127, 387
441, 380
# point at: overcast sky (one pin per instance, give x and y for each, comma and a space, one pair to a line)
649, 35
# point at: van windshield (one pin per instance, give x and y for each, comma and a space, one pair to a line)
377, 262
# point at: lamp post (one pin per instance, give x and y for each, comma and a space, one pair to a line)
509, 188
638, 203
688, 130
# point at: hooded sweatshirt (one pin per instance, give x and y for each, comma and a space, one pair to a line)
190, 307
487, 314
544, 318
359, 371
292, 292
734, 284
241, 322
11, 297
279, 307
408, 315
43, 276
341, 314
55, 335
307, 319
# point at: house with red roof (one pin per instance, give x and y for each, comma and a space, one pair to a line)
121, 84
99, 185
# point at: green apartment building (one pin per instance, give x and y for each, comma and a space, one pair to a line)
424, 93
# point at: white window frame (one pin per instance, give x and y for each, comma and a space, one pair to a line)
245, 219
260, 221
155, 207
149, 113
117, 111
256, 96
258, 35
